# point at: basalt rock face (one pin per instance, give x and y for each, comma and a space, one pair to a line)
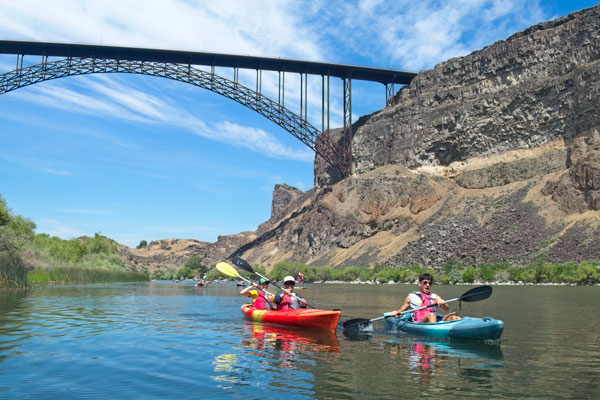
578, 189
538, 85
283, 197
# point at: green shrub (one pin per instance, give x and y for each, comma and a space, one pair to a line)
184, 273
12, 268
469, 275
195, 263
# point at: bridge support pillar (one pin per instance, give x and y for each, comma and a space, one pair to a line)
347, 136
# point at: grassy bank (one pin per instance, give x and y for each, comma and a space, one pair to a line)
27, 257
69, 275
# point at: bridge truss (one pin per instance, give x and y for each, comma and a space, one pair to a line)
183, 67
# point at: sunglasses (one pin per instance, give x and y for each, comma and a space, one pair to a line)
289, 283
427, 283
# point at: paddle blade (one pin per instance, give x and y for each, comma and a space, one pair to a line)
356, 323
477, 294
227, 269
243, 264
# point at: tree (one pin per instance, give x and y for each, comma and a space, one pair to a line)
195, 263
4, 212
142, 244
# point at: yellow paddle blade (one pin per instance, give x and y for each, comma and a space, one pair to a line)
227, 269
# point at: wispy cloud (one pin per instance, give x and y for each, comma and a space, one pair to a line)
57, 172
415, 35
84, 212
112, 99
58, 228
34, 164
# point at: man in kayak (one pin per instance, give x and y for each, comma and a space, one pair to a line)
261, 300
285, 300
425, 297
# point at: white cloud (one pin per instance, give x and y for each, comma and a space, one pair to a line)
84, 212
58, 228
110, 98
34, 164
57, 172
261, 141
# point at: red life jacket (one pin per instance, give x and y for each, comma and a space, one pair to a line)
289, 303
426, 299
261, 302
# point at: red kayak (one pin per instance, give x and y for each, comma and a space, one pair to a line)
302, 318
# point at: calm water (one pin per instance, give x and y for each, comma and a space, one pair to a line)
167, 340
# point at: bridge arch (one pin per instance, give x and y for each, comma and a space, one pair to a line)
181, 66
231, 89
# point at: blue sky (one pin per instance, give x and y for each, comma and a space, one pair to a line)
136, 157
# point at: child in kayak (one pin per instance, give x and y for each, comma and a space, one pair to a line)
284, 299
425, 297
261, 299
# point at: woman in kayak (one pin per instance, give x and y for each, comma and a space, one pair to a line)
261, 299
425, 297
285, 300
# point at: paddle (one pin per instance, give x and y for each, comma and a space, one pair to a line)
228, 270
243, 264
476, 294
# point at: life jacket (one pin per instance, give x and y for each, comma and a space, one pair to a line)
418, 300
261, 302
289, 303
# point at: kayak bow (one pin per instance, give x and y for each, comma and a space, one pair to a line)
302, 318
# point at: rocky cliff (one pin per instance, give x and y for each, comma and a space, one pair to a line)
493, 156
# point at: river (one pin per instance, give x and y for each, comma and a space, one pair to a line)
166, 340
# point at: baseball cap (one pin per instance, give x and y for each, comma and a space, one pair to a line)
263, 280
289, 279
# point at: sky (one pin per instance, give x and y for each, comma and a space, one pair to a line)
146, 158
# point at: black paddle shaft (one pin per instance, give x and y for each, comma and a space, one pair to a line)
243, 264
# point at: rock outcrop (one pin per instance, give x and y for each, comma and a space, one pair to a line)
578, 189
539, 85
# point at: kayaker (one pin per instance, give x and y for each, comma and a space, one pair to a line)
284, 300
260, 299
425, 297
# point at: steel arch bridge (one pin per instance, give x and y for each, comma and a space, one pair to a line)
182, 66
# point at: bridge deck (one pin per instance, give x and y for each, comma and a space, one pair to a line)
385, 76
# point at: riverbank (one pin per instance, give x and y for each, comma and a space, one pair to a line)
535, 273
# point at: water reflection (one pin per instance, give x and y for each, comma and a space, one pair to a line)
287, 343
425, 357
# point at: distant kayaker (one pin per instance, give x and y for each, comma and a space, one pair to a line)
261, 300
425, 297
284, 299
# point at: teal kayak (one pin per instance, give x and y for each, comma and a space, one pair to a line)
465, 328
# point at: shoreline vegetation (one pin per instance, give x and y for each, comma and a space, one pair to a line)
537, 272
29, 258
